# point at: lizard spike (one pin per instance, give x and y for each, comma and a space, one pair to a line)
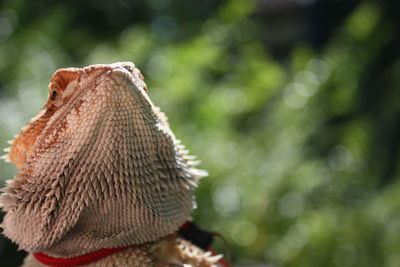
193, 162
198, 174
10, 142
189, 157
184, 152
6, 158
7, 149
215, 258
207, 254
38, 115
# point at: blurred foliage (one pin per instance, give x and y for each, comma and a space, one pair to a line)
302, 151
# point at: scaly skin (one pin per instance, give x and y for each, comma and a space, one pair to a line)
99, 167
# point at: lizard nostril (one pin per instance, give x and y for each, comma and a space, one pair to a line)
128, 66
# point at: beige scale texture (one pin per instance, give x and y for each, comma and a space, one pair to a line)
98, 168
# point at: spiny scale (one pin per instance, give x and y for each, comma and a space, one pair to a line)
98, 167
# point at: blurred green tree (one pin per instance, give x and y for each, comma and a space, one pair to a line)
296, 117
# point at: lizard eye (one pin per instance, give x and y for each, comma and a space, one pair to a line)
54, 95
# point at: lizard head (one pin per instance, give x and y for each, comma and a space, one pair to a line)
65, 84
97, 167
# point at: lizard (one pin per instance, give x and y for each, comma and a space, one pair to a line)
99, 170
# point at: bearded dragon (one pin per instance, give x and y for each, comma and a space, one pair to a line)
99, 169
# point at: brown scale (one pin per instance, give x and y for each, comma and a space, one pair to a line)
98, 168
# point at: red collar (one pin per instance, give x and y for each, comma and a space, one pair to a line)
98, 254
88, 258
75, 261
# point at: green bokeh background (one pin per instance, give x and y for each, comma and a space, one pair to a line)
292, 106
